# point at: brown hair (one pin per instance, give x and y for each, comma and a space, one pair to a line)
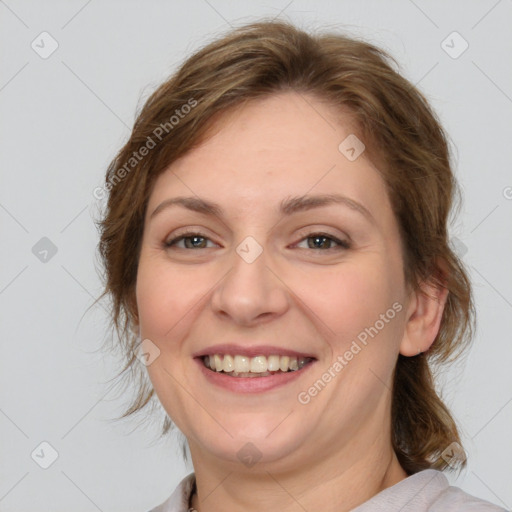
402, 135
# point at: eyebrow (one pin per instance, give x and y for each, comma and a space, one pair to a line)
287, 206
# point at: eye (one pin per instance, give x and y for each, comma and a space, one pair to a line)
195, 241
318, 241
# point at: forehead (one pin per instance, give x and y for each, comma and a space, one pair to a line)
288, 123
287, 144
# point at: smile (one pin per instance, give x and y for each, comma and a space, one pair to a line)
243, 374
250, 367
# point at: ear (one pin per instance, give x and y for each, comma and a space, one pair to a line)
423, 319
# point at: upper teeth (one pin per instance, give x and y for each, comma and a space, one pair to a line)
258, 364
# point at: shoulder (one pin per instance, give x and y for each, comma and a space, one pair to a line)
454, 498
178, 501
426, 491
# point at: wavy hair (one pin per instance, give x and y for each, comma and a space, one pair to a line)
403, 137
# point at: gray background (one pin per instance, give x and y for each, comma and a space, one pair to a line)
63, 118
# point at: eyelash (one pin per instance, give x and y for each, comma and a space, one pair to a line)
342, 244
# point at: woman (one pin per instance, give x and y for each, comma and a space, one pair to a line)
276, 249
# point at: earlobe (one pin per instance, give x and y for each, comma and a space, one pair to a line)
423, 319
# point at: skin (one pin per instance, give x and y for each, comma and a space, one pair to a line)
334, 452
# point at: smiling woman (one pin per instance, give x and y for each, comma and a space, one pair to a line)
281, 258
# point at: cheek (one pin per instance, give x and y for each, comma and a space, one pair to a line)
349, 298
165, 295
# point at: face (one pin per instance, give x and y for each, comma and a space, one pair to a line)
267, 275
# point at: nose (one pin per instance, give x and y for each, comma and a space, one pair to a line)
250, 292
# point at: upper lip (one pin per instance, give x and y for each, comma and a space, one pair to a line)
250, 351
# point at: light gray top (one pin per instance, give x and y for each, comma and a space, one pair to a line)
425, 491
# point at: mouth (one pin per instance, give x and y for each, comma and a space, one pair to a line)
242, 366
246, 369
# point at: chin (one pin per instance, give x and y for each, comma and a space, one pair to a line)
251, 443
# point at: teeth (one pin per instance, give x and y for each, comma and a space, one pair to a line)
258, 364
242, 364
273, 363
261, 365
228, 364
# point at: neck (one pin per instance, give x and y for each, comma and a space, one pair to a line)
337, 481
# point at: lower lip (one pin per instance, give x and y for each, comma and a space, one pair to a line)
251, 384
